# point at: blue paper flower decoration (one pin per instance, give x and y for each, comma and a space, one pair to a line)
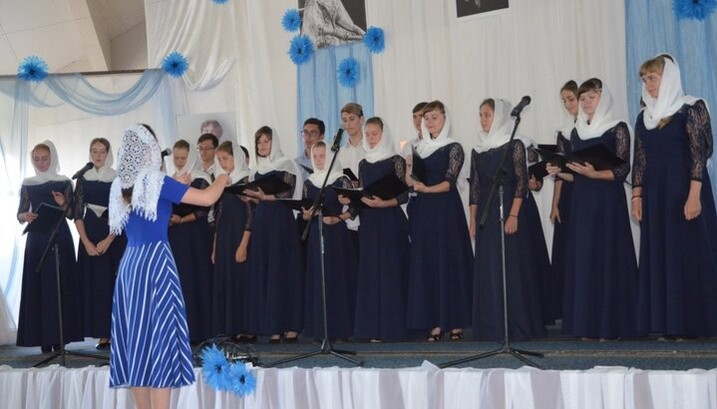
242, 380
220, 1
348, 72
374, 40
291, 20
215, 368
301, 49
175, 64
694, 9
32, 68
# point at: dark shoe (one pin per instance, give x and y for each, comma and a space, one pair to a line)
46, 349
456, 335
103, 346
56, 347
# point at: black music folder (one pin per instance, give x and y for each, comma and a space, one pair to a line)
351, 175
47, 217
307, 169
597, 155
418, 166
271, 185
388, 187
538, 170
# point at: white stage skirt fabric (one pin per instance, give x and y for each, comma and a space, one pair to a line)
426, 387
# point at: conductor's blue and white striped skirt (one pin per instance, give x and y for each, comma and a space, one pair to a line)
150, 341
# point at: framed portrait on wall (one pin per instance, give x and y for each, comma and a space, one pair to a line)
220, 124
333, 22
472, 8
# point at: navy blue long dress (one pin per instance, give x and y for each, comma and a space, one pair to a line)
276, 276
600, 297
230, 292
678, 258
192, 248
560, 234
150, 342
340, 264
439, 289
523, 267
384, 260
38, 322
97, 272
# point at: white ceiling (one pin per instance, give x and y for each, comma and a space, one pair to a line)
70, 35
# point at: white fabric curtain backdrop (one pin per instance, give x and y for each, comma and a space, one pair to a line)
425, 387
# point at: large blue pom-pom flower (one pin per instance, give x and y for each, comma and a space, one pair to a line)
243, 381
32, 68
348, 72
301, 49
374, 40
215, 368
220, 1
291, 20
175, 64
694, 9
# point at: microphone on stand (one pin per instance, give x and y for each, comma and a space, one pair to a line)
166, 152
84, 169
524, 102
337, 140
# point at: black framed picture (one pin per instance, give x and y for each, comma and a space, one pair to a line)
333, 22
466, 8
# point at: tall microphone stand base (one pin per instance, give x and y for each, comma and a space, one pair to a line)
62, 353
326, 349
504, 350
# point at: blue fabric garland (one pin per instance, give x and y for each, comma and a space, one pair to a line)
374, 40
175, 64
301, 49
348, 71
291, 20
32, 68
694, 9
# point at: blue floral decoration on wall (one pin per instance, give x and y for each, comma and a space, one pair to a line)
32, 68
227, 376
291, 20
175, 64
374, 40
219, 1
348, 72
301, 49
694, 9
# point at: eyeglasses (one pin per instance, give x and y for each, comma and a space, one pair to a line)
202, 149
310, 133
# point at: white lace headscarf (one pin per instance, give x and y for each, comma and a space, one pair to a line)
241, 169
276, 161
51, 174
670, 97
317, 178
500, 130
139, 163
602, 120
104, 174
384, 149
430, 144
191, 167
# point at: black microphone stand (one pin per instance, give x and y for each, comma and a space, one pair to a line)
326, 346
54, 245
506, 348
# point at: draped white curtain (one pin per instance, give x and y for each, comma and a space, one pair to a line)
425, 387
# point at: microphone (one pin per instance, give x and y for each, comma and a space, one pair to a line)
84, 169
524, 102
337, 140
166, 152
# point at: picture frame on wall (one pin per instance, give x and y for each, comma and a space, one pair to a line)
333, 22
466, 9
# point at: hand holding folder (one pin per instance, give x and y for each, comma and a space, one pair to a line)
47, 217
388, 187
597, 155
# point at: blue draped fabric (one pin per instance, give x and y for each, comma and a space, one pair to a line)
653, 28
321, 96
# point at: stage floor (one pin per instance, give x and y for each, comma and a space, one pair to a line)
560, 354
